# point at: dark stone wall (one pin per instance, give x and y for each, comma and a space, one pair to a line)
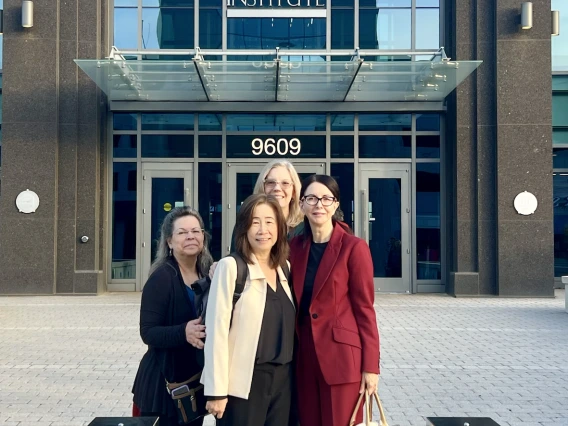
52, 144
500, 139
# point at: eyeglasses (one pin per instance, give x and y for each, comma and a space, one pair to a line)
312, 200
196, 232
271, 183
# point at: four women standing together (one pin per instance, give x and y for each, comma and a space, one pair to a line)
324, 306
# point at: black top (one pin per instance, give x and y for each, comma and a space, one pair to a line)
316, 253
276, 341
164, 313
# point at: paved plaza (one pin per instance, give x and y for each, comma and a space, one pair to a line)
65, 360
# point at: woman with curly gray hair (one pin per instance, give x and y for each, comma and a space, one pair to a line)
169, 323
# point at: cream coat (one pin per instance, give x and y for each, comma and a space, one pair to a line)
230, 353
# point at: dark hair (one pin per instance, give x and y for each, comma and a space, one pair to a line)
204, 259
331, 184
279, 251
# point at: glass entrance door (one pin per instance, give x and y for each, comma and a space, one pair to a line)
241, 181
165, 186
385, 208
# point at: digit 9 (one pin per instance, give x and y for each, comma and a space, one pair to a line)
295, 146
257, 146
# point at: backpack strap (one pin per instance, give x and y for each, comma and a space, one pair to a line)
242, 274
286, 270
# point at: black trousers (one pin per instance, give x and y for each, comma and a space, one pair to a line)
269, 399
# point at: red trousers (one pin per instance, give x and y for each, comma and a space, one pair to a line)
320, 404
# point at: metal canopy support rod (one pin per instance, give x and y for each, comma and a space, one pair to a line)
196, 63
277, 79
353, 79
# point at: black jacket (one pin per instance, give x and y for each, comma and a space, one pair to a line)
164, 313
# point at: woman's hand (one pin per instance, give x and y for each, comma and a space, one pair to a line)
369, 383
216, 407
194, 332
212, 270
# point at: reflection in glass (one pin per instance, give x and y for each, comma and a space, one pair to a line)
167, 146
126, 28
210, 28
276, 122
167, 121
270, 33
385, 122
560, 42
428, 146
342, 122
124, 121
385, 229
427, 34
167, 28
168, 3
559, 108
342, 147
427, 3
123, 263
428, 237
166, 192
344, 174
560, 205
210, 146
387, 29
124, 146
210, 121
386, 3
342, 34
381, 146
245, 187
559, 136
210, 203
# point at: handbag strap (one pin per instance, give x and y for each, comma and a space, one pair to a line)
369, 408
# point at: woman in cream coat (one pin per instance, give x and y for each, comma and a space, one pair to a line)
249, 351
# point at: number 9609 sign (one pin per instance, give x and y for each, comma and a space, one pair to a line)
272, 146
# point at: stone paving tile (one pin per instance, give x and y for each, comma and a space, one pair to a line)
65, 360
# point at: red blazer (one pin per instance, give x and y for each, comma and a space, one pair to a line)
344, 323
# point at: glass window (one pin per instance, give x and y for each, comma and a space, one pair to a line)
427, 34
210, 204
342, 147
344, 174
560, 83
167, 122
560, 205
168, 3
560, 158
340, 122
428, 146
385, 122
123, 226
285, 146
124, 121
126, 28
210, 28
376, 146
167, 28
427, 122
276, 122
210, 121
428, 237
210, 146
560, 42
342, 33
385, 3
127, 3
167, 146
560, 109
559, 136
124, 146
385, 29
270, 33
427, 3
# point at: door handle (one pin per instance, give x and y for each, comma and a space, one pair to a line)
186, 197
365, 214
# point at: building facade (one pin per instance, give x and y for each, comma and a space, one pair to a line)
117, 111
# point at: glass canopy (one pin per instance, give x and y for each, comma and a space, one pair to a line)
276, 80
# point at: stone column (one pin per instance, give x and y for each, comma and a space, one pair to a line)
52, 144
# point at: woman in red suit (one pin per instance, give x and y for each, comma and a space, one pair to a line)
332, 275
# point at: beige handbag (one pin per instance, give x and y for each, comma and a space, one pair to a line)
369, 411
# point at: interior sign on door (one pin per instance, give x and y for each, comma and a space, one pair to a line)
272, 146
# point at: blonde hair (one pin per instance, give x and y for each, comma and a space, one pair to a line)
295, 216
